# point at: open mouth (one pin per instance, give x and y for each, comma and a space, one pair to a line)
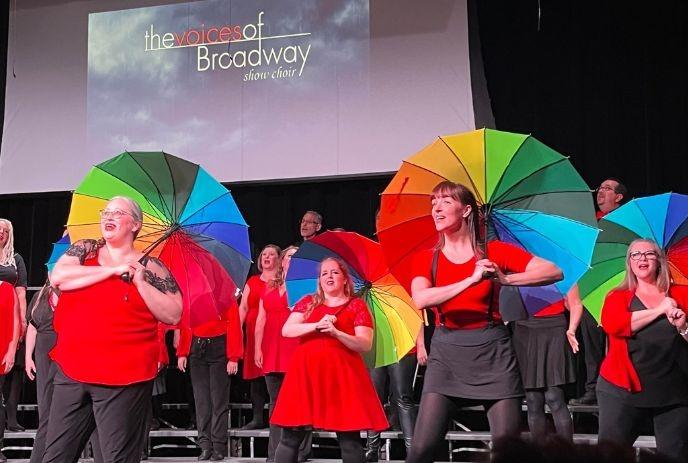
643, 266
109, 226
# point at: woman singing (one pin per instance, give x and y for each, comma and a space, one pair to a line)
472, 361
107, 346
274, 351
645, 372
327, 385
268, 263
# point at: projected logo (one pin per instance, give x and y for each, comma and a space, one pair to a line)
243, 47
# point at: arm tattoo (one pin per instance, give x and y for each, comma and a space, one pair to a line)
164, 285
82, 249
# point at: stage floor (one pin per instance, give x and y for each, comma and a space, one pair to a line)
195, 460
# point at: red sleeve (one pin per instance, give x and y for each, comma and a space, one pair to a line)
362, 315
421, 263
235, 343
680, 295
163, 357
302, 305
184, 347
616, 318
508, 257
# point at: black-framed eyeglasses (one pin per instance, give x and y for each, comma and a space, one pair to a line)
605, 188
649, 255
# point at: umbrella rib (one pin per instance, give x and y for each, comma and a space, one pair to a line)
540, 169
470, 178
160, 195
547, 238
510, 202
501, 177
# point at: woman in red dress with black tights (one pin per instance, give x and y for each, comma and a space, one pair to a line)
645, 373
268, 263
472, 361
274, 351
327, 385
107, 346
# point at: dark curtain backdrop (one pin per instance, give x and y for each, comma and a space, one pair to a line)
603, 82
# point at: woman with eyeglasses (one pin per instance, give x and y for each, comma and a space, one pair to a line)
107, 347
645, 373
213, 350
268, 263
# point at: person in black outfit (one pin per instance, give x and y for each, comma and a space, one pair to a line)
609, 196
645, 374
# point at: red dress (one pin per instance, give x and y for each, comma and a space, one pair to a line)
277, 350
328, 385
106, 334
256, 289
6, 320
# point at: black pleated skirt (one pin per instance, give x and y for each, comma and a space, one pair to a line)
473, 364
544, 355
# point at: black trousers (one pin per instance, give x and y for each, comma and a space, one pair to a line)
77, 408
400, 376
594, 345
274, 383
45, 375
620, 423
210, 381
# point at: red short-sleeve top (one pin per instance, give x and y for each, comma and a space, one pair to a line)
106, 334
468, 310
7, 300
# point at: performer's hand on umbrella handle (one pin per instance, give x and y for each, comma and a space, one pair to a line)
325, 322
232, 367
124, 271
181, 363
667, 305
677, 317
137, 270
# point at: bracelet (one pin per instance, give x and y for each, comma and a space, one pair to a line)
684, 332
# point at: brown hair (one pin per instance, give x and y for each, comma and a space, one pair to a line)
319, 295
462, 194
279, 278
663, 278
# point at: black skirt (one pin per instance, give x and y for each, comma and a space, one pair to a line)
544, 354
473, 364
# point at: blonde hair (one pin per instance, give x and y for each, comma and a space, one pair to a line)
319, 295
463, 195
268, 246
7, 255
663, 277
134, 209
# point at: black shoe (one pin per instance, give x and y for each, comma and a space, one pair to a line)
589, 398
205, 455
217, 456
253, 425
16, 427
155, 424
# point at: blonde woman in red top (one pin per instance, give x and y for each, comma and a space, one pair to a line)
472, 360
268, 264
107, 346
645, 373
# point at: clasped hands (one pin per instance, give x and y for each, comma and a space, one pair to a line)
133, 271
485, 269
326, 325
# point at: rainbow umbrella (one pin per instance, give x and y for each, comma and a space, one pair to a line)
59, 248
529, 194
190, 222
662, 218
397, 320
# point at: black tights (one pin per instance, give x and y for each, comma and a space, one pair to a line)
437, 409
537, 421
349, 443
